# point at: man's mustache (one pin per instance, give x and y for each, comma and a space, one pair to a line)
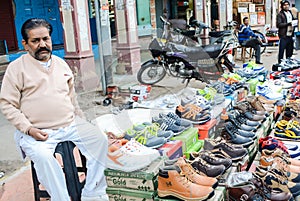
43, 49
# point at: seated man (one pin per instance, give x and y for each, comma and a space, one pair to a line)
248, 38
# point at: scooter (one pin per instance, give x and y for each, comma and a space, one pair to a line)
203, 63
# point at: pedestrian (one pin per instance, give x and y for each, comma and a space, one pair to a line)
294, 11
284, 21
39, 99
248, 38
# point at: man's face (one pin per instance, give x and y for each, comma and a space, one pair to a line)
246, 22
286, 6
39, 44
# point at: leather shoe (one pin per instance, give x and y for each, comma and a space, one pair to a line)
235, 152
207, 169
213, 159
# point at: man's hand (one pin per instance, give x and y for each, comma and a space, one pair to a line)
38, 134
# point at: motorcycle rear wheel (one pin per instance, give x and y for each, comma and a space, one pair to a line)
151, 74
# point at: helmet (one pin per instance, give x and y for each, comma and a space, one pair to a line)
284, 2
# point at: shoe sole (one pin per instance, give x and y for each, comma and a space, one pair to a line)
174, 194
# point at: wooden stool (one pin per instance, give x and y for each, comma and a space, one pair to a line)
243, 53
66, 151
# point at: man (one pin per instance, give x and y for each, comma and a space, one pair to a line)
38, 98
294, 11
248, 38
285, 31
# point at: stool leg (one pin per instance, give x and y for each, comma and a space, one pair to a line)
71, 173
35, 183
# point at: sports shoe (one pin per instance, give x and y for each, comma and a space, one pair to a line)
171, 182
130, 158
231, 134
268, 93
177, 120
190, 173
97, 198
168, 125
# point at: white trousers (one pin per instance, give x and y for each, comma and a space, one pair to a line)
90, 141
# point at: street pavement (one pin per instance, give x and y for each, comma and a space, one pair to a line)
16, 183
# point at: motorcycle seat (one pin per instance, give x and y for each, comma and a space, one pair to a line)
203, 52
217, 34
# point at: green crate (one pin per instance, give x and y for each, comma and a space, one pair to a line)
195, 148
143, 180
122, 194
188, 138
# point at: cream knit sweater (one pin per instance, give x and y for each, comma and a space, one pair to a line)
32, 96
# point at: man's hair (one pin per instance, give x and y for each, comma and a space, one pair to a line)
245, 18
32, 24
284, 2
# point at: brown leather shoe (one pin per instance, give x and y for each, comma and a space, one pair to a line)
189, 172
172, 183
278, 152
255, 190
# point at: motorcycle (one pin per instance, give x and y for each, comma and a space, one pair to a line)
174, 58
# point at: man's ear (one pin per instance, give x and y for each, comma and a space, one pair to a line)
24, 44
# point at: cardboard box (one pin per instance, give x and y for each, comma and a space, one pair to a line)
188, 138
172, 149
128, 194
142, 180
206, 130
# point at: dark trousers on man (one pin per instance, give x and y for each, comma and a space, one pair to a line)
285, 43
255, 44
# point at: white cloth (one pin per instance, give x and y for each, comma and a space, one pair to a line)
289, 19
46, 64
90, 141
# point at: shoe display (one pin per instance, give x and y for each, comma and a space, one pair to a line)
130, 157
168, 125
171, 182
213, 159
209, 170
230, 150
177, 120
190, 173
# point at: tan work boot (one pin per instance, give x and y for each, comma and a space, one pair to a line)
190, 173
172, 182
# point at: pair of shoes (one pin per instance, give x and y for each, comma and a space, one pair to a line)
211, 158
96, 198
254, 189
232, 151
271, 143
168, 124
188, 171
200, 165
235, 136
278, 152
280, 183
268, 93
148, 134
173, 182
193, 113
176, 119
130, 156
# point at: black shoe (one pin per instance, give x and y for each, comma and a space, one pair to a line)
258, 62
213, 159
209, 170
235, 152
240, 125
232, 134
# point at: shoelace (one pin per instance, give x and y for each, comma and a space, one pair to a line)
192, 111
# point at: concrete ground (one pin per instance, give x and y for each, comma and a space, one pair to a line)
16, 183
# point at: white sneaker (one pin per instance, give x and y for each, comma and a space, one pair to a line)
130, 157
97, 198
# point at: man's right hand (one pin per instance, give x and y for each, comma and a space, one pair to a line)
38, 134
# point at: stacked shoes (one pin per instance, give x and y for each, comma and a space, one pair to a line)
127, 155
178, 178
277, 169
195, 109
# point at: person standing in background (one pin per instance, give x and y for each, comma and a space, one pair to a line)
294, 11
284, 21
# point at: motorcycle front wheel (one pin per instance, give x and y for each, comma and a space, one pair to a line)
151, 74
